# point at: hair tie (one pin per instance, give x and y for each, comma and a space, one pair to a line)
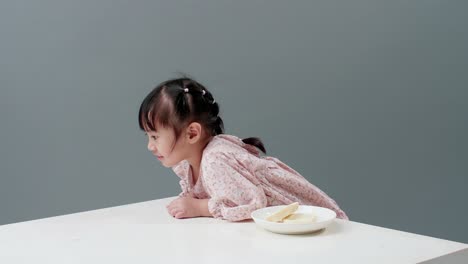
213, 101
203, 92
186, 90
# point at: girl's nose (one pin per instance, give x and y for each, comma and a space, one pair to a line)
151, 147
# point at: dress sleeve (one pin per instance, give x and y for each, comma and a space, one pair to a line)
184, 187
181, 171
233, 196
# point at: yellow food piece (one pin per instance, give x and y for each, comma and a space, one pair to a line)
300, 219
284, 212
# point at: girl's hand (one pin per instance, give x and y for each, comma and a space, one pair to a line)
184, 207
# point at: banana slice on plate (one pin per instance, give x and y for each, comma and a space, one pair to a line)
283, 213
300, 219
305, 219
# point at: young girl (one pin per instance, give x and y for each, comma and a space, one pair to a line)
221, 175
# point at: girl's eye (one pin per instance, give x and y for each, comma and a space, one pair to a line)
154, 137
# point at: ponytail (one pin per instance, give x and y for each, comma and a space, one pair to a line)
255, 142
218, 126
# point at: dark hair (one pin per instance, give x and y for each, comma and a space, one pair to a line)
178, 102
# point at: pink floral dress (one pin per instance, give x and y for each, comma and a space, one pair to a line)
238, 181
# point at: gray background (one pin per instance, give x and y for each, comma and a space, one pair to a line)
367, 100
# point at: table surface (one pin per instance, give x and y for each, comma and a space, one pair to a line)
146, 233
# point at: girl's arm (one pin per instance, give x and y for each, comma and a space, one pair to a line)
188, 207
234, 191
202, 205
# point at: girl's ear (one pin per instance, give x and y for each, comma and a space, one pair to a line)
194, 131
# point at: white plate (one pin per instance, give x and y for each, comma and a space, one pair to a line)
324, 217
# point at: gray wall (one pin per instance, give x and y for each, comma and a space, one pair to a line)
367, 100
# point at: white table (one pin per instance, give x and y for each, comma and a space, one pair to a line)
146, 233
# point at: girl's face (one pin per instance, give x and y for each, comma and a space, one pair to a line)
161, 144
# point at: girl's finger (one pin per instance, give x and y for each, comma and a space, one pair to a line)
176, 210
176, 213
172, 211
179, 215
